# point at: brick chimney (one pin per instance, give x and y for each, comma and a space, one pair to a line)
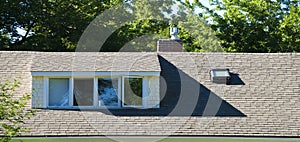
170, 45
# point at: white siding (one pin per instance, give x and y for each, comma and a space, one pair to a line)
37, 92
153, 99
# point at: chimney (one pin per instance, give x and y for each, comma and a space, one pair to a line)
170, 45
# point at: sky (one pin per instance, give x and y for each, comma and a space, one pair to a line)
204, 2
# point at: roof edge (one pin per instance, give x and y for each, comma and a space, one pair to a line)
95, 73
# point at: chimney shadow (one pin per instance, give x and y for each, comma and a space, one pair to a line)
181, 95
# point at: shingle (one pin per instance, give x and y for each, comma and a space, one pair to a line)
95, 61
269, 99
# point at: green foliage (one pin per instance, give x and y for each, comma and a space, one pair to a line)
12, 110
57, 25
50, 25
234, 25
255, 25
290, 30
139, 35
198, 36
147, 25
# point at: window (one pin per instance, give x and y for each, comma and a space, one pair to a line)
108, 92
94, 92
83, 91
132, 91
58, 92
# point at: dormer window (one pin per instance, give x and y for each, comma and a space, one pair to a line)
62, 91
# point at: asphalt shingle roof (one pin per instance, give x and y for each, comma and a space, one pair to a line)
264, 102
94, 61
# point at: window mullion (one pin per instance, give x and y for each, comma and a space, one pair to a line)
145, 92
120, 91
71, 91
46, 92
122, 97
95, 92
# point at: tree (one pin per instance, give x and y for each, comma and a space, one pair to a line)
48, 25
133, 26
147, 24
150, 21
255, 25
198, 36
58, 25
290, 29
13, 110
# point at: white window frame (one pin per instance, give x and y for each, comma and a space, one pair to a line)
95, 92
119, 92
46, 91
72, 94
143, 94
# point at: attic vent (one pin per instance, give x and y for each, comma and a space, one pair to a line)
220, 76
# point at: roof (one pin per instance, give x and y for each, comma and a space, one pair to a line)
94, 61
262, 100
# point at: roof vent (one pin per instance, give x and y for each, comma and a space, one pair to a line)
174, 33
220, 76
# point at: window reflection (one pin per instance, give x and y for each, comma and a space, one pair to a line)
58, 91
83, 91
108, 92
133, 91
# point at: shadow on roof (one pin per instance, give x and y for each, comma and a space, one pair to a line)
181, 95
235, 79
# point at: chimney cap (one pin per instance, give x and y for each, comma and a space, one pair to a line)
174, 33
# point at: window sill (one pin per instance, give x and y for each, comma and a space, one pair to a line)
92, 108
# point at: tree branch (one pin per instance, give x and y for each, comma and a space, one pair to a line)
25, 36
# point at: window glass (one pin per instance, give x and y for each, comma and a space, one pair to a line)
108, 92
133, 91
83, 91
58, 91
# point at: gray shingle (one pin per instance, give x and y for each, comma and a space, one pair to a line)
94, 61
269, 99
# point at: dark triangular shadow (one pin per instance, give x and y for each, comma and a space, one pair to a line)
181, 95
235, 79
